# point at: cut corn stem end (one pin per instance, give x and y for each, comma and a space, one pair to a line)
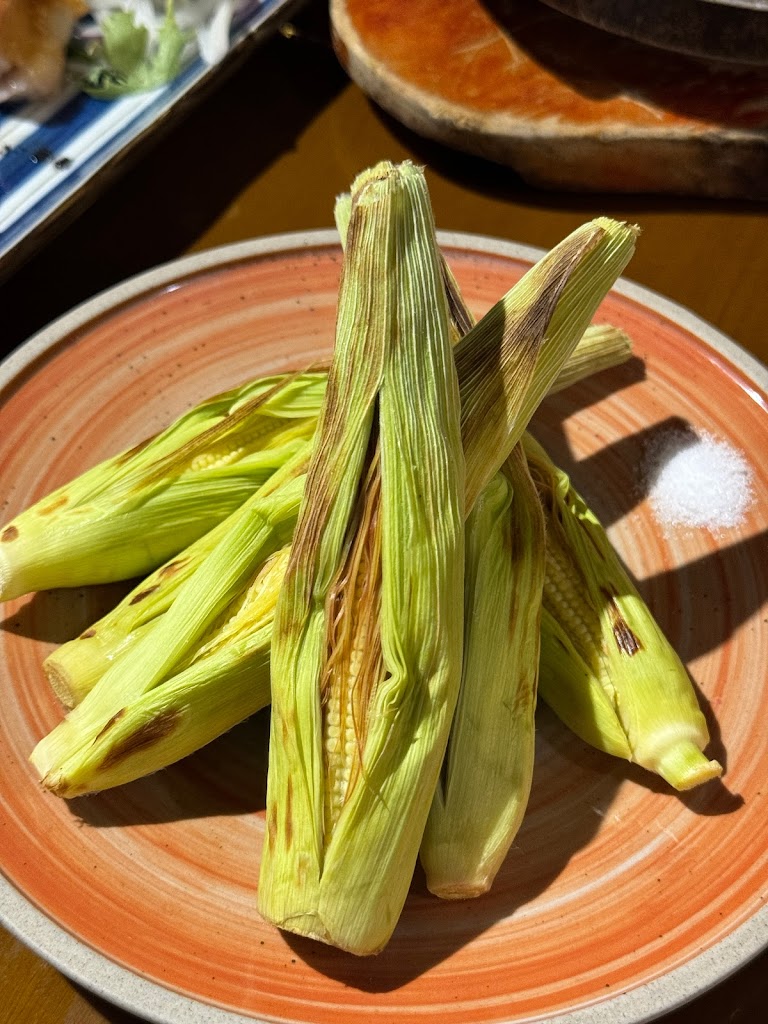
460, 891
684, 766
62, 684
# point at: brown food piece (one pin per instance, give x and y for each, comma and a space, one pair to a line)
567, 105
33, 39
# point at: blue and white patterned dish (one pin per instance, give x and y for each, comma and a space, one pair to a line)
51, 150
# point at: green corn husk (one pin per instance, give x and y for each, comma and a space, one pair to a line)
343, 835
220, 683
601, 347
64, 758
129, 514
542, 319
607, 670
341, 805
483, 793
72, 743
142, 610
486, 779
74, 668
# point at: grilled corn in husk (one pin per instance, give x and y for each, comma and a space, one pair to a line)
129, 514
607, 670
486, 778
72, 757
483, 791
221, 681
365, 646
366, 653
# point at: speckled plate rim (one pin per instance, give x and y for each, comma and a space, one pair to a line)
150, 1000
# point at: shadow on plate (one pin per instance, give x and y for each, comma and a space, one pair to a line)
573, 790
55, 616
208, 783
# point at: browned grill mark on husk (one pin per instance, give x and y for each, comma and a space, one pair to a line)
627, 642
126, 456
115, 718
60, 502
289, 813
173, 567
151, 732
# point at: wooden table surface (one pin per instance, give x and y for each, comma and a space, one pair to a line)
267, 152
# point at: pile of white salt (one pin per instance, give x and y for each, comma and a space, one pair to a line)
693, 479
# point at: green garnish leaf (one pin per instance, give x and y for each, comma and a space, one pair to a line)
127, 61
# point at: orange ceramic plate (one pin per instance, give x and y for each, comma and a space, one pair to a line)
619, 899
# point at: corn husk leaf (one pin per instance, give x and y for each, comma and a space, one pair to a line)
63, 758
486, 779
393, 372
607, 669
129, 514
540, 322
220, 683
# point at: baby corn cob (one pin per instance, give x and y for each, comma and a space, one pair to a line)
606, 667
486, 779
131, 513
484, 787
357, 741
222, 681
64, 759
76, 666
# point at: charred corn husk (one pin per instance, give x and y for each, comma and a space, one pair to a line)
75, 667
486, 778
219, 684
356, 739
606, 667
485, 783
126, 516
540, 321
66, 758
